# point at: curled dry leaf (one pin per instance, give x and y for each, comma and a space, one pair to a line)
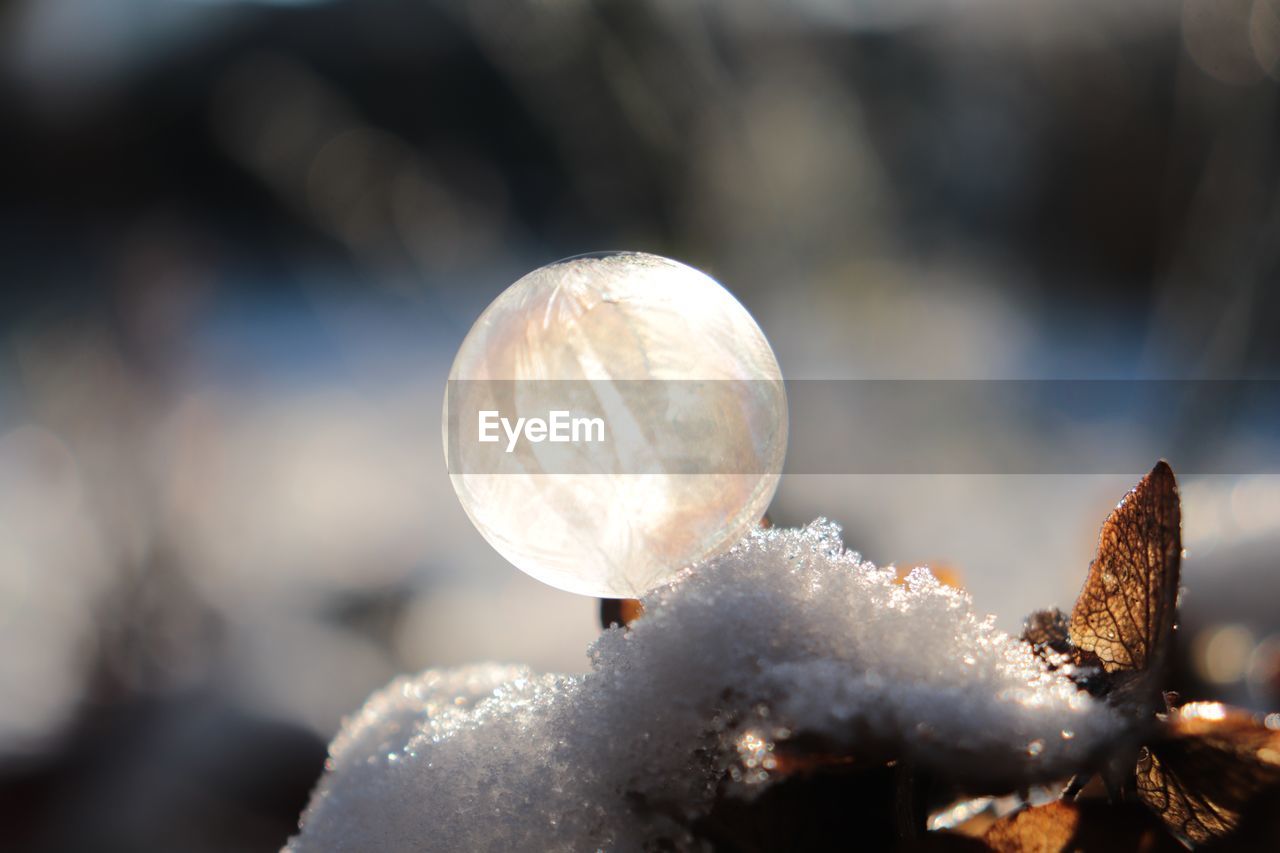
1204, 766
1124, 617
1210, 766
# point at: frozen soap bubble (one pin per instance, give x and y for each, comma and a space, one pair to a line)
654, 422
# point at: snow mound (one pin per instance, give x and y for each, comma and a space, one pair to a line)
787, 634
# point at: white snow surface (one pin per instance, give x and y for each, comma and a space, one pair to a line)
788, 633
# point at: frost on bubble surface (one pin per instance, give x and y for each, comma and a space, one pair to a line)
786, 634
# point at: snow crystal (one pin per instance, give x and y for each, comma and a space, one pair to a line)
787, 634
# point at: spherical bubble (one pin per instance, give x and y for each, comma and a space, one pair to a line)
692, 434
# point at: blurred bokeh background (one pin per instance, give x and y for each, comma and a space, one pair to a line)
241, 241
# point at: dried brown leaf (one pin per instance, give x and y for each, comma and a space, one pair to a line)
1092, 826
1124, 615
1210, 765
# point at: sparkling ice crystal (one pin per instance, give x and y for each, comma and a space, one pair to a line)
787, 627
